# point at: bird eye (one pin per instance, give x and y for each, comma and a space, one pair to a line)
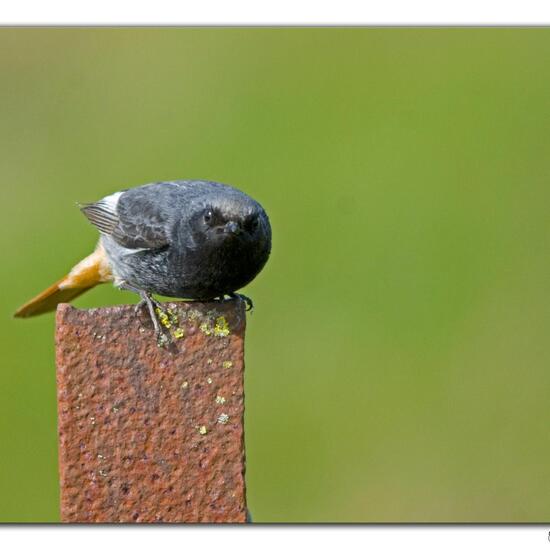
208, 216
251, 224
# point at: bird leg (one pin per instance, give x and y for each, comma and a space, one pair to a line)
154, 308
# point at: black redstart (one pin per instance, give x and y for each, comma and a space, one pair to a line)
189, 239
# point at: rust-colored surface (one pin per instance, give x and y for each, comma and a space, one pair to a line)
149, 434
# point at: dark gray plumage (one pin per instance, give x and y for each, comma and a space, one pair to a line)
186, 239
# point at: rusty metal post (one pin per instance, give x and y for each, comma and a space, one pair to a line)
149, 434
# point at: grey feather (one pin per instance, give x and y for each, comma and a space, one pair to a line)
100, 215
156, 238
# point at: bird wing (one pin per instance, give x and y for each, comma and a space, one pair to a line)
133, 219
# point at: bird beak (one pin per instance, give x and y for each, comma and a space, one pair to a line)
232, 228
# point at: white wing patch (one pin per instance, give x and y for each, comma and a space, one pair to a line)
110, 201
103, 213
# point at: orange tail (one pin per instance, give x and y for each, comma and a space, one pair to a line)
90, 272
48, 299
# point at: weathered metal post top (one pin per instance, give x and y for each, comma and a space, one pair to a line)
148, 433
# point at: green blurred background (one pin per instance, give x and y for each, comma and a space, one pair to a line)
398, 356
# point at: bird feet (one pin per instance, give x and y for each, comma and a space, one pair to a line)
234, 296
165, 319
158, 316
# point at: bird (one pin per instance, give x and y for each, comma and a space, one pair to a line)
189, 239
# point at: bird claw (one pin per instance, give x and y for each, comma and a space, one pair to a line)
156, 312
249, 304
157, 316
139, 306
162, 339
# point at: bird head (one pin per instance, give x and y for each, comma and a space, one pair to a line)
236, 220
